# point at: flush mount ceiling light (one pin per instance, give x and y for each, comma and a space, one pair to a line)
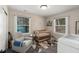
43, 7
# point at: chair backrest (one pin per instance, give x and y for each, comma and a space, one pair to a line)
40, 32
18, 35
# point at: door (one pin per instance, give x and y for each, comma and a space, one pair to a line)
3, 30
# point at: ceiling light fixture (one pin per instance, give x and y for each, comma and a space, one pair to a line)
43, 7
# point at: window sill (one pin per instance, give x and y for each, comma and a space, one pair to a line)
61, 34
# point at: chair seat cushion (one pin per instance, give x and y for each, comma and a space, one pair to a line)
27, 42
18, 43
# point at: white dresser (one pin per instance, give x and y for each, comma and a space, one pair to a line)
68, 44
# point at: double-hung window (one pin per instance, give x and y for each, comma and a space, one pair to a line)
22, 24
61, 25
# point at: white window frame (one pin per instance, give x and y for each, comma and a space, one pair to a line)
66, 26
16, 24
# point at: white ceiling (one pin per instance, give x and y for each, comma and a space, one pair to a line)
51, 10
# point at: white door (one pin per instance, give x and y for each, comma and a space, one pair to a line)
3, 30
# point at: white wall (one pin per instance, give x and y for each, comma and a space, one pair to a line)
37, 22
73, 16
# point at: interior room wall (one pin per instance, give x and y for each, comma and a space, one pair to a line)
37, 22
73, 15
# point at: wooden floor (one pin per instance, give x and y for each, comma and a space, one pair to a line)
52, 49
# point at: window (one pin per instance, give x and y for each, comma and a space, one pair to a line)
60, 25
23, 24
77, 27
